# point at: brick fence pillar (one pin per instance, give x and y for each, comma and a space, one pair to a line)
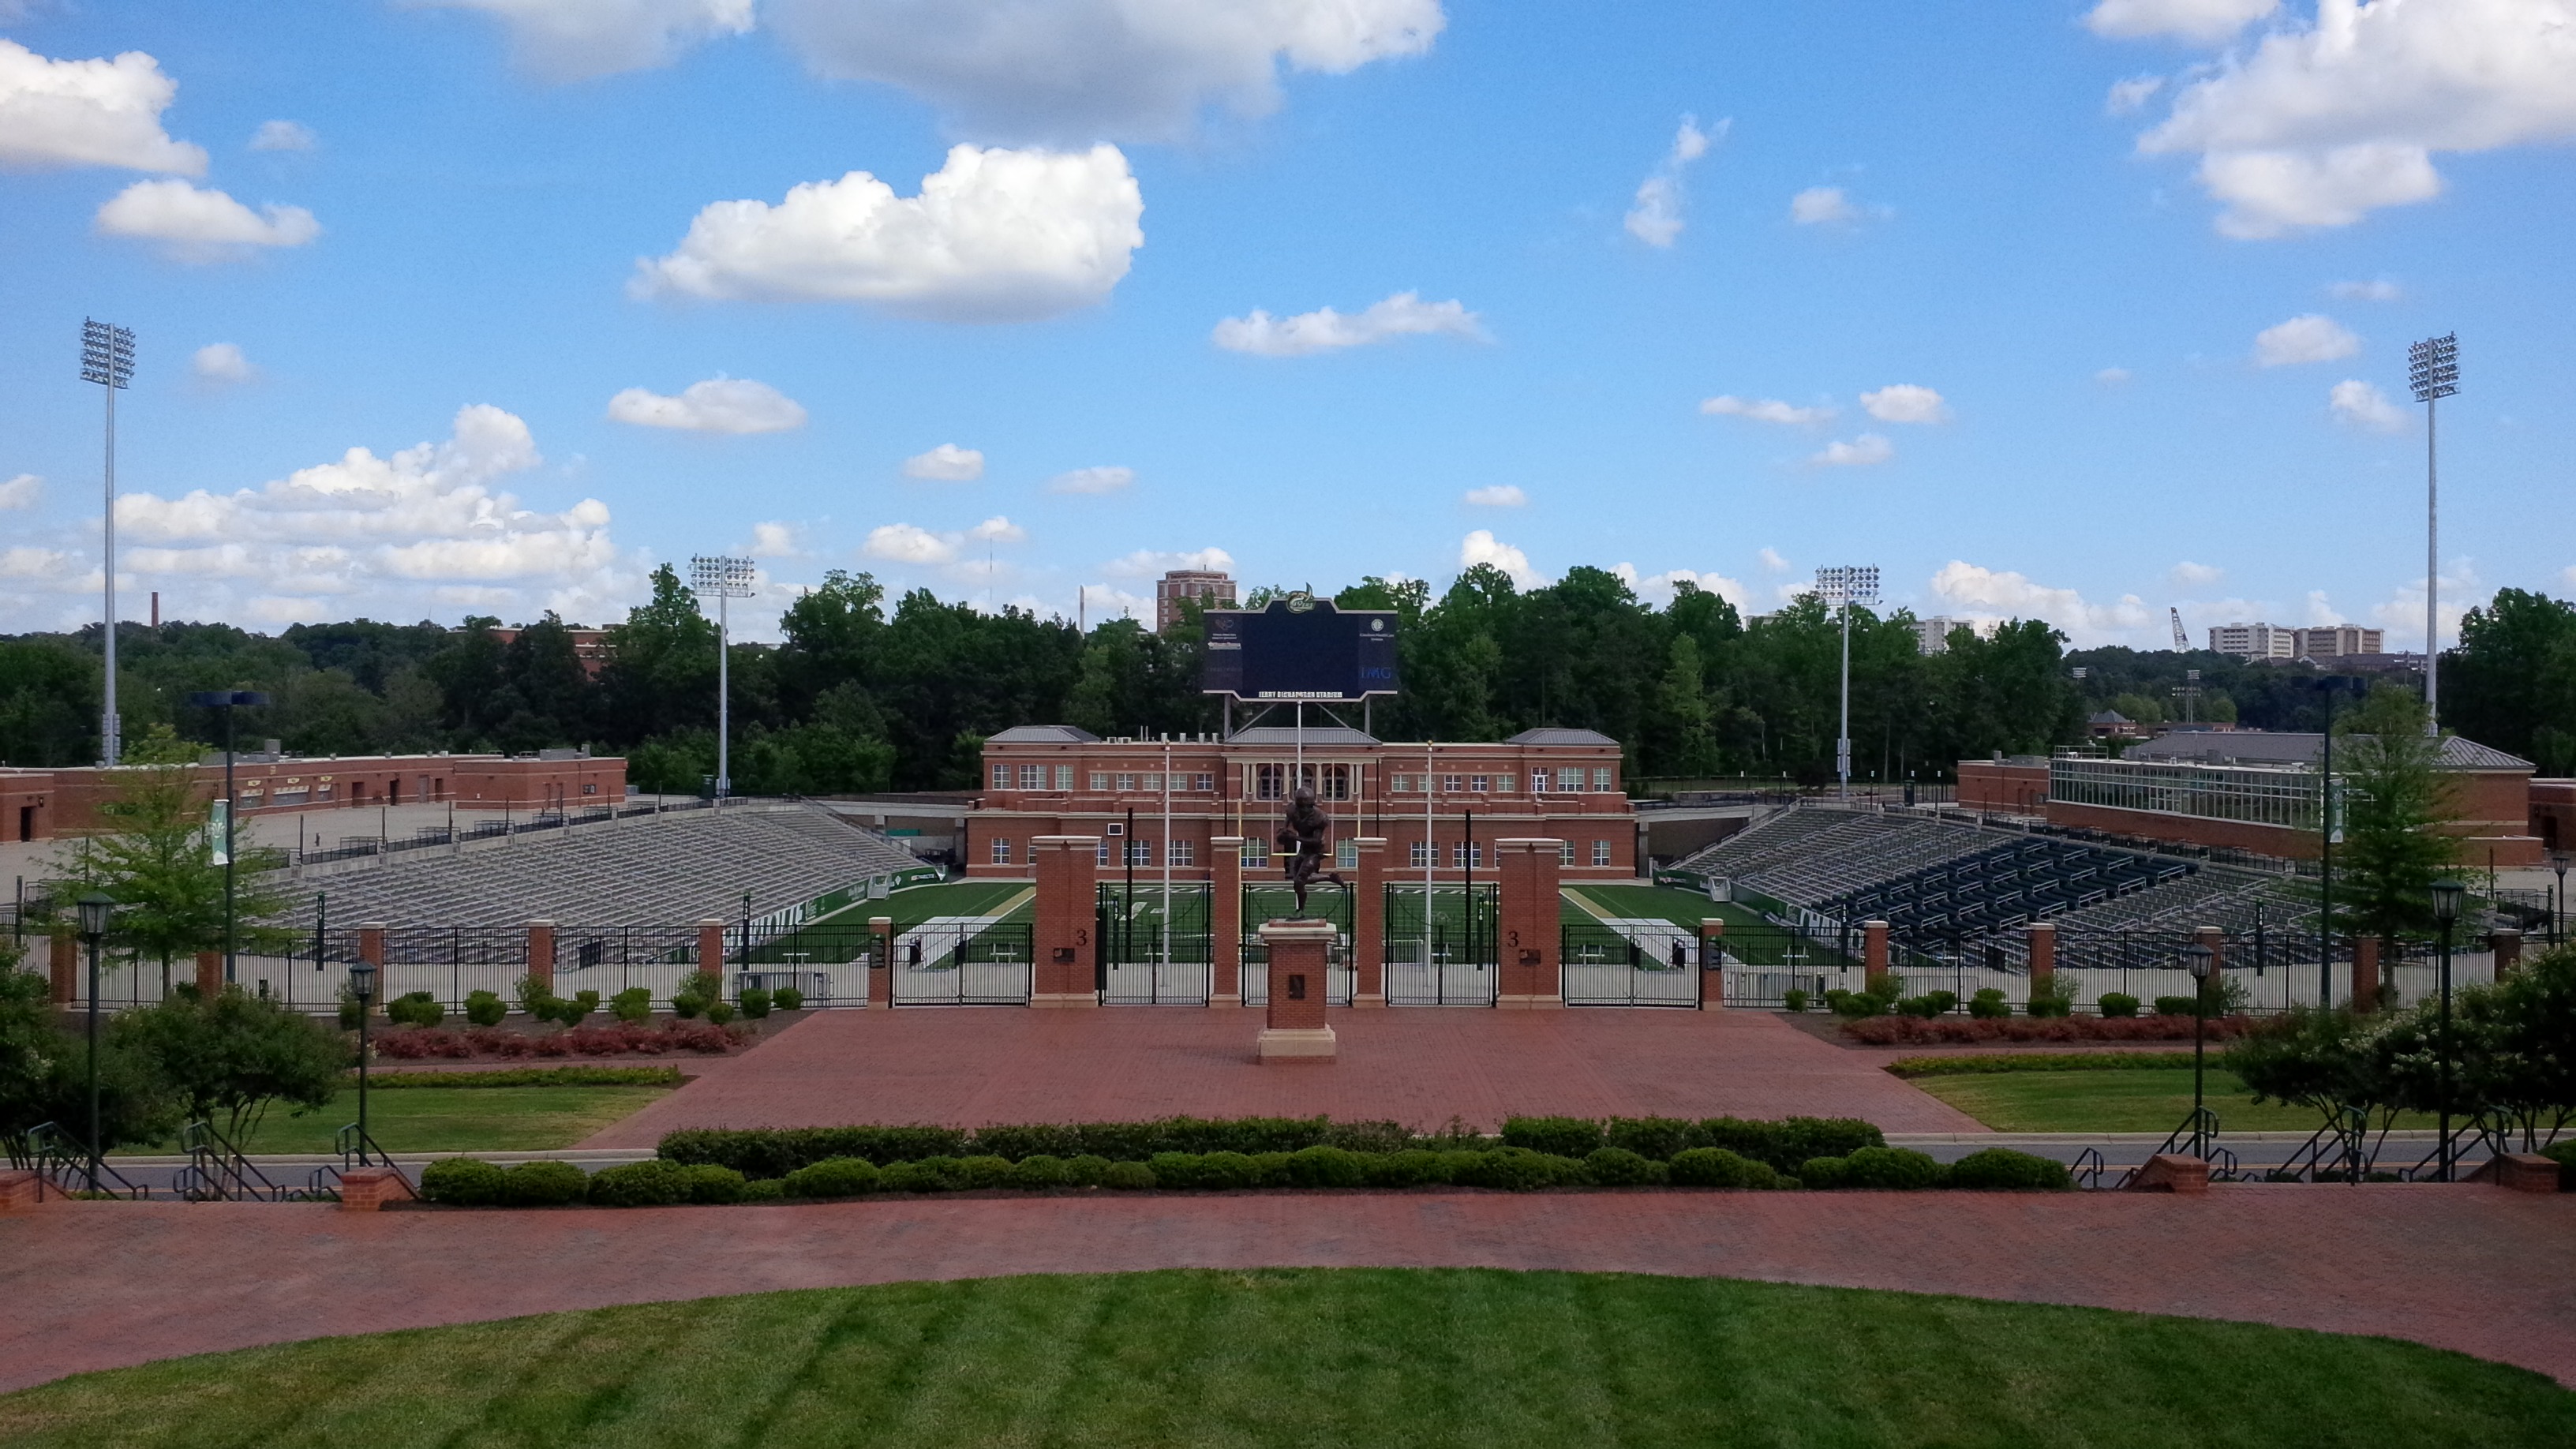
2365, 973
1225, 921
2216, 940
2042, 937
1068, 910
66, 966
210, 975
371, 944
2507, 945
880, 961
1712, 963
1300, 954
1528, 924
1873, 952
541, 952
1368, 923
711, 945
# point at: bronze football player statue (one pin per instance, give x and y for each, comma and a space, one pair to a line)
1301, 835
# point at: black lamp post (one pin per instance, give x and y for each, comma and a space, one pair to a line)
2446, 914
226, 700
2559, 861
362, 989
95, 908
2198, 958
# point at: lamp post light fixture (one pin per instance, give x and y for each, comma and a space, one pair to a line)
1845, 586
362, 990
727, 578
2446, 914
2199, 957
95, 909
107, 358
221, 836
2433, 371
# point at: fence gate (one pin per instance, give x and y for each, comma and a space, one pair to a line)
1443, 955
1153, 946
1629, 963
969, 961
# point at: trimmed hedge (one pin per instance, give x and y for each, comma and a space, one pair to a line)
2037, 1062
531, 1077
2000, 1169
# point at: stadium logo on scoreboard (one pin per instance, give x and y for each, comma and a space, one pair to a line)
1300, 648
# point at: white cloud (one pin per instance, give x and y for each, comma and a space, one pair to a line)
1083, 70
2196, 575
88, 113
1772, 561
1860, 452
1499, 495
1823, 205
2126, 96
1324, 330
1481, 547
1656, 218
904, 543
2321, 124
2362, 405
21, 492
2307, 338
282, 136
2380, 290
1905, 402
1147, 563
1103, 602
997, 529
1092, 480
1659, 588
2321, 610
221, 362
576, 39
993, 236
717, 405
1766, 410
2205, 21
22, 562
947, 463
777, 540
1989, 595
2112, 376
202, 224
2402, 613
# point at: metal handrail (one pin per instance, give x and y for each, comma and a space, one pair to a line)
2088, 1167
2201, 1130
66, 1164
218, 1171
2342, 1137
2478, 1130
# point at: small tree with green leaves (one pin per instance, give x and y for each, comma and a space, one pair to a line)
226, 1059
2396, 802
44, 1074
2315, 1058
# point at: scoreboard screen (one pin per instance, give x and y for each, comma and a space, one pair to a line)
1300, 648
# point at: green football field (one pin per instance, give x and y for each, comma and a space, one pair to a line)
910, 907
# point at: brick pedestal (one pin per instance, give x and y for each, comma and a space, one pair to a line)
1873, 952
1299, 955
1068, 871
65, 961
365, 1189
2216, 940
1528, 930
711, 946
21, 1189
1712, 964
541, 952
210, 975
2521, 1172
2041, 940
2172, 1172
1368, 924
2507, 945
1225, 921
881, 961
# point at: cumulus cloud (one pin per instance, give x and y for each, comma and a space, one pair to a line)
21, 492
1481, 547
777, 540
394, 536
2381, 290
717, 405
202, 224
997, 530
909, 544
1860, 452
2205, 21
1092, 480
2402, 613
1822, 206
1766, 410
20, 561
1083, 70
2126, 96
1146, 563
221, 362
2308, 338
578, 39
1659, 588
2112, 376
1656, 218
947, 463
1990, 595
1498, 495
282, 136
993, 236
1904, 402
2196, 575
2362, 405
1324, 330
88, 113
2319, 125
1772, 561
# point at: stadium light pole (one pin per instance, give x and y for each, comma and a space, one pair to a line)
727, 578
1847, 585
107, 358
2433, 371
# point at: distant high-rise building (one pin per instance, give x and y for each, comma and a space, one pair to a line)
2253, 641
1208, 588
1932, 636
2336, 641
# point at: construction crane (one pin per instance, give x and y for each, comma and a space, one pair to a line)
2182, 641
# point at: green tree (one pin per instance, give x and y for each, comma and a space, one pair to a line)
661, 671
44, 1074
2512, 681
2316, 1058
2396, 801
225, 1060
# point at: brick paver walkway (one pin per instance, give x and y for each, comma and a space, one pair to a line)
1420, 1067
97, 1285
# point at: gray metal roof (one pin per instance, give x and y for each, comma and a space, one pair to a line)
1286, 736
2265, 747
1553, 736
1044, 735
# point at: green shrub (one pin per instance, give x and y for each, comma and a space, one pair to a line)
1216, 1171
1417, 1167
415, 1008
570, 1012
1717, 1167
1823, 1173
755, 1002
633, 1004
2051, 997
1041, 1171
528, 1077
1795, 998
1791, 1140
787, 998
1852, 1003
765, 1189
834, 1177
1273, 1169
1929, 1005
688, 1005
1571, 1137
485, 1008
1087, 1170
1619, 1167
776, 1152
1899, 1169
1128, 1177
1518, 1169
1655, 1137
2174, 1005
461, 1182
929, 1174
640, 1184
1988, 1004
979, 1174
543, 1183
2002, 1169
2117, 1003
720, 1012
713, 1185
1326, 1167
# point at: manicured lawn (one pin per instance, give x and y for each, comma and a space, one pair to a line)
909, 908
500, 1119
1361, 1357
2155, 1099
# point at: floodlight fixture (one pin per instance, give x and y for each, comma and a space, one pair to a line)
107, 359
2433, 367
1844, 586
726, 577
2433, 371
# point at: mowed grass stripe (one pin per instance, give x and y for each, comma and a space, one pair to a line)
1316, 1357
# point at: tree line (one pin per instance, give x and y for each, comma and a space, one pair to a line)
859, 695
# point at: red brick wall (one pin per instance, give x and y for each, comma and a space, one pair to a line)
1067, 911
2003, 788
1529, 924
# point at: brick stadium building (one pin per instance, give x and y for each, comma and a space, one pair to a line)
41, 804
1440, 807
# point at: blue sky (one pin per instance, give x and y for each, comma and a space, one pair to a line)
2067, 310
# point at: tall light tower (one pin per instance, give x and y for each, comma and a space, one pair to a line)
2433, 370
1846, 586
726, 578
107, 358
